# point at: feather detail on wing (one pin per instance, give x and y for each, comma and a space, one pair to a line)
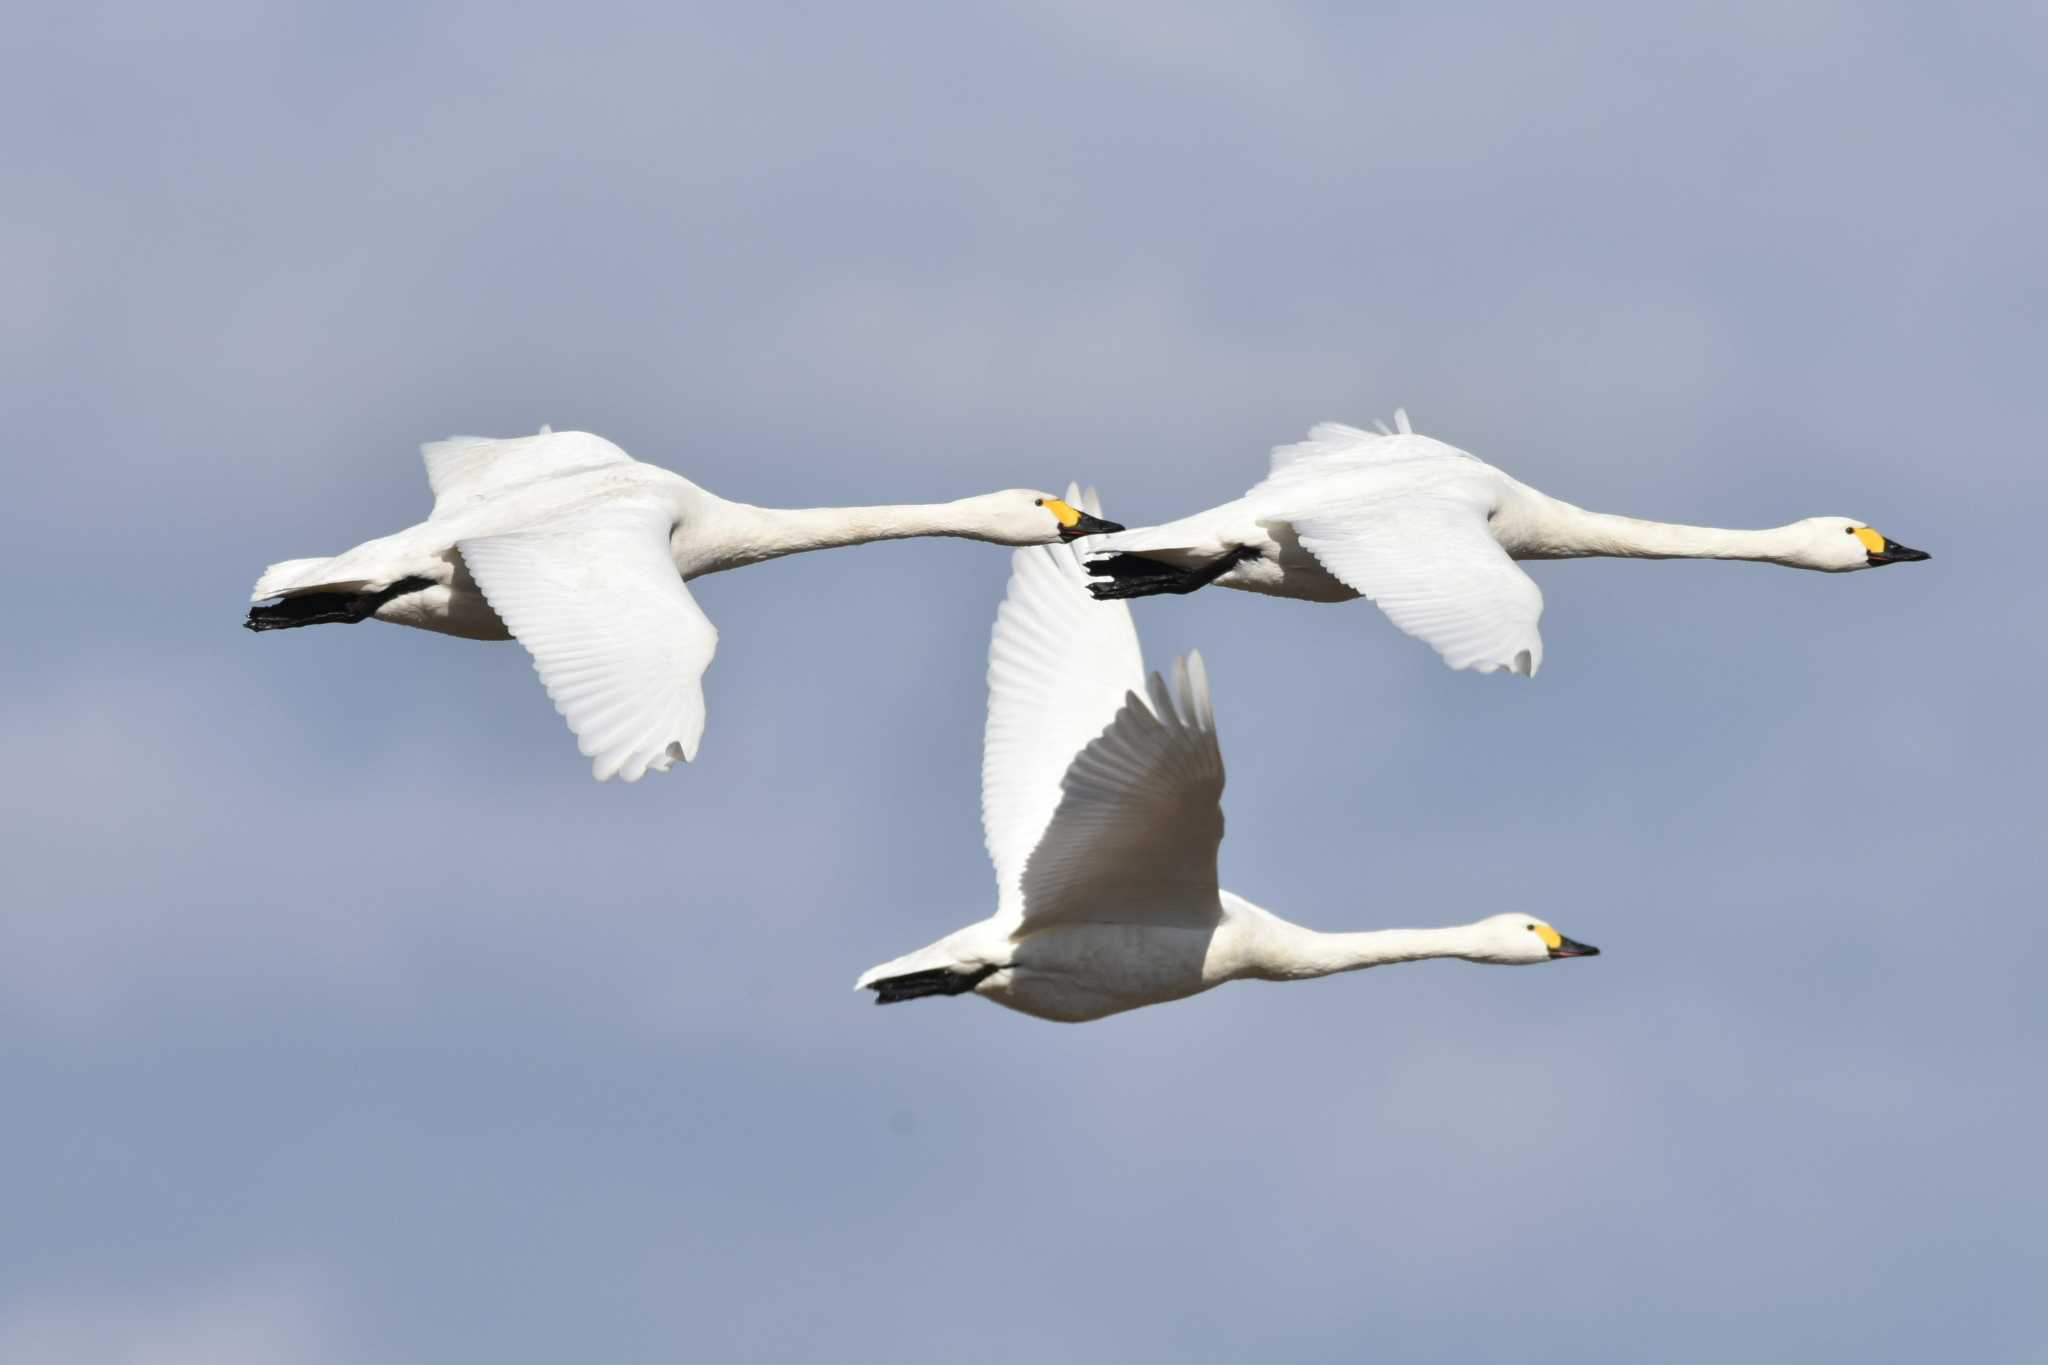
1427, 561
1134, 838
1402, 519
1333, 446
1059, 666
618, 641
466, 469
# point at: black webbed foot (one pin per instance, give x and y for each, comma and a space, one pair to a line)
328, 608
1130, 575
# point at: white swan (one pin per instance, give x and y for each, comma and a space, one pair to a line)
1100, 797
570, 545
1430, 534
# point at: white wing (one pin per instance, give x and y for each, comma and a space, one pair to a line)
1097, 807
466, 469
618, 641
1336, 444
1140, 817
1402, 519
1436, 573
1059, 666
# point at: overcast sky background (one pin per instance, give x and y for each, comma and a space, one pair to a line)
343, 1018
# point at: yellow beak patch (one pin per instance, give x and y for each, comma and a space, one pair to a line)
1067, 515
1872, 541
1551, 938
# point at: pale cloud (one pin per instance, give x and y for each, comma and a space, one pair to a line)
263, 1318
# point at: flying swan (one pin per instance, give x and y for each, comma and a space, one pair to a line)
1430, 534
1100, 798
568, 544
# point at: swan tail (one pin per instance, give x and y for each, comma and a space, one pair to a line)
279, 579
930, 981
327, 604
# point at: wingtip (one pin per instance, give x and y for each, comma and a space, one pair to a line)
1191, 686
628, 768
1198, 679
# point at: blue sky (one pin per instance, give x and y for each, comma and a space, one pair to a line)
344, 1019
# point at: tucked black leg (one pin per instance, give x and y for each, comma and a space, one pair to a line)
937, 981
328, 608
1131, 575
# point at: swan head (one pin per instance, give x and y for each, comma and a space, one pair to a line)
1517, 940
1025, 516
1843, 544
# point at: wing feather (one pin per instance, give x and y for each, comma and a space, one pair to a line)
466, 469
1100, 792
1134, 838
1336, 446
1402, 519
617, 639
1059, 664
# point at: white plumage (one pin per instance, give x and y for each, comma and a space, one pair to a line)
570, 545
1102, 805
1430, 534
627, 678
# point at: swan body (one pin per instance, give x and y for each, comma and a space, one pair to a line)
1101, 803
568, 544
1431, 534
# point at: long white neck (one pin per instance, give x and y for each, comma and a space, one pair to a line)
771, 532
1289, 952
1562, 531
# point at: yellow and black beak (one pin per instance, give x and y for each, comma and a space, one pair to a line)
1074, 523
1565, 947
1883, 550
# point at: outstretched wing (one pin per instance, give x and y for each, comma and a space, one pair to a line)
466, 469
1432, 568
618, 641
1338, 445
1059, 665
1402, 519
1134, 838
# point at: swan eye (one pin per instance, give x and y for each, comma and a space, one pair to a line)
1038, 502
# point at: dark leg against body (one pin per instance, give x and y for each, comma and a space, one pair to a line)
328, 608
936, 981
1130, 575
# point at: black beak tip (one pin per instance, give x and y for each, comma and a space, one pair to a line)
1572, 948
1895, 553
1089, 526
